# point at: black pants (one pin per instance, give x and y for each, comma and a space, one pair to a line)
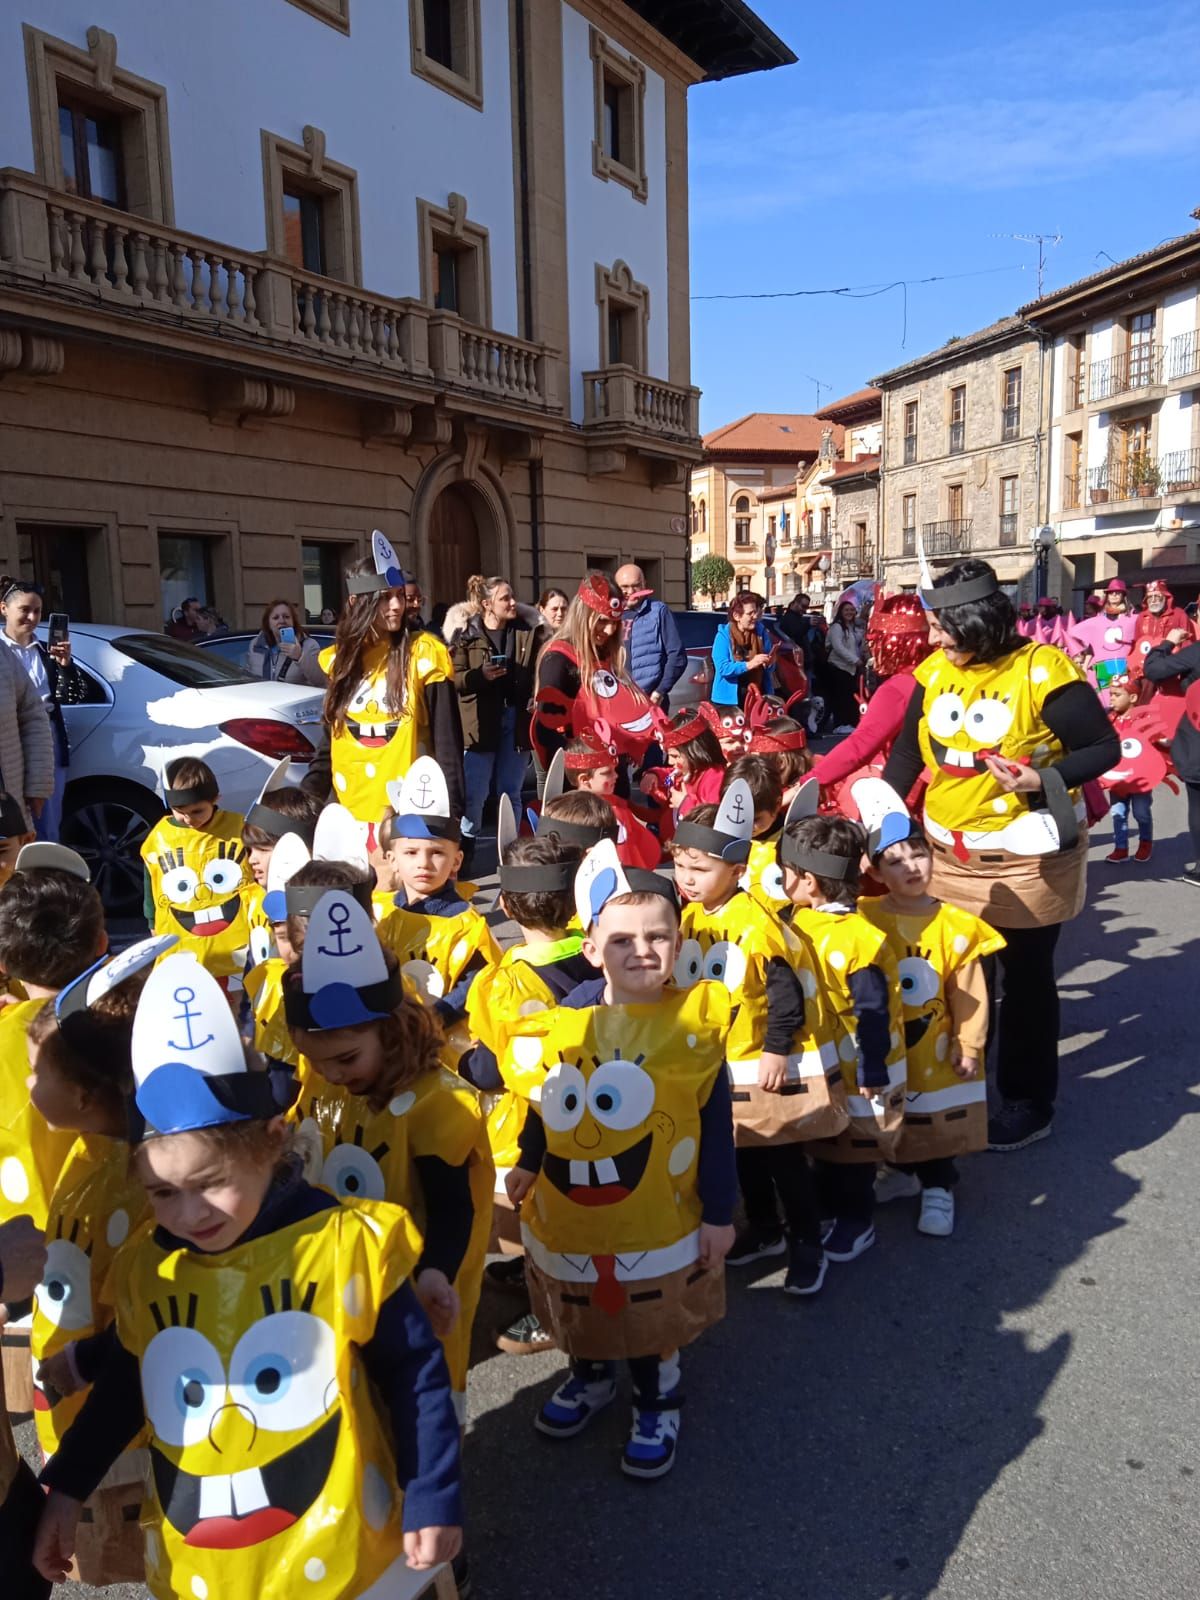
940, 1173
846, 1190
778, 1175
842, 690
655, 1379
1026, 1016
18, 1524
1193, 797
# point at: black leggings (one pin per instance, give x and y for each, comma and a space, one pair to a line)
775, 1175
1193, 794
842, 690
1026, 1016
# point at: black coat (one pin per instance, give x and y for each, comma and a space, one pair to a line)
1164, 662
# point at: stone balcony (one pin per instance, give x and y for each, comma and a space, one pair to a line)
75, 266
624, 409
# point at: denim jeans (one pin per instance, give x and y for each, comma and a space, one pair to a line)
49, 823
502, 770
1140, 805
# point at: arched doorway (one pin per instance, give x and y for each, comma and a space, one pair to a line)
456, 549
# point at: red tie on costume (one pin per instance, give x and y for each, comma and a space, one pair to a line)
609, 1295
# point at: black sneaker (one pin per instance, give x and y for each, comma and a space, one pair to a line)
753, 1244
1017, 1124
507, 1274
526, 1337
806, 1269
848, 1238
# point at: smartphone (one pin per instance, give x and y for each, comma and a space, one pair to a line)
59, 628
500, 661
287, 635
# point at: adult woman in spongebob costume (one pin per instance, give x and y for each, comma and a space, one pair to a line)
1009, 731
391, 694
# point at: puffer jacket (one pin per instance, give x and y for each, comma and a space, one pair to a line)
654, 652
26, 738
283, 669
483, 701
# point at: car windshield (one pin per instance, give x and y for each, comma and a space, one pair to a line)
181, 663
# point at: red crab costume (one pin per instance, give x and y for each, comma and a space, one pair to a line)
637, 844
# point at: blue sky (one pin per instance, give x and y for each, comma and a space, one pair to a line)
906, 138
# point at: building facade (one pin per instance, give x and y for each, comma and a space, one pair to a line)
854, 486
284, 273
749, 500
962, 456
1123, 353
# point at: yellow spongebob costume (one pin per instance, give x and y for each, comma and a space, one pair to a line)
434, 951
377, 744
264, 990
944, 1115
611, 1227
196, 882
734, 946
839, 944
995, 708
371, 1155
32, 1153
272, 1473
260, 932
763, 877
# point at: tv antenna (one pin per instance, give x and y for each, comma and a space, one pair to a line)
1039, 239
819, 386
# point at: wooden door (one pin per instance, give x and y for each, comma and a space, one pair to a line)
454, 548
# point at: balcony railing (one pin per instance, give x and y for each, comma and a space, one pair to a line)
910, 449
1071, 488
1008, 529
1075, 389
909, 541
1122, 480
89, 254
1010, 423
947, 538
620, 397
854, 561
958, 438
1179, 470
1183, 355
1132, 370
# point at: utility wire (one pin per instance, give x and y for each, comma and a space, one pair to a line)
864, 291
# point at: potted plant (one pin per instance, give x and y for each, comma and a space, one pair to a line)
1144, 476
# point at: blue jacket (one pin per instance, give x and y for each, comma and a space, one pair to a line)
653, 649
728, 672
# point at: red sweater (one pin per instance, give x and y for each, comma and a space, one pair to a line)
873, 738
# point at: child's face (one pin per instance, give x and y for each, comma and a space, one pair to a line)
705, 878
602, 782
906, 869
764, 821
732, 744
197, 1193
283, 944
350, 1058
259, 857
677, 764
635, 946
801, 888
1119, 699
54, 1095
197, 816
422, 866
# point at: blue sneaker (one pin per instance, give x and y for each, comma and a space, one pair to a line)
573, 1405
650, 1452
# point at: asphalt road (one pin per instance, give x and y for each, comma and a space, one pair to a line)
1011, 1414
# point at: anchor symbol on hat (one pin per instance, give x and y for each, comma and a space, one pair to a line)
339, 932
184, 997
736, 810
424, 797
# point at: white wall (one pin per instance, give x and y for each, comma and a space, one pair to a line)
605, 221
233, 67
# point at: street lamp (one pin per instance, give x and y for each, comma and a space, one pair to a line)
1043, 541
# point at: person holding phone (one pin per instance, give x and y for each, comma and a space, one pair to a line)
56, 681
494, 650
742, 652
282, 650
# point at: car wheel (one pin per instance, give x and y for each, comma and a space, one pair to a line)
108, 826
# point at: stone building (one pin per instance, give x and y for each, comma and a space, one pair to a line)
1123, 489
272, 275
749, 499
961, 460
854, 486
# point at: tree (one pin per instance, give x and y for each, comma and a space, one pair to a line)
712, 576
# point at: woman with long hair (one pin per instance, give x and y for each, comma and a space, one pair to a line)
1009, 732
391, 694
843, 664
583, 682
553, 607
741, 652
494, 651
282, 650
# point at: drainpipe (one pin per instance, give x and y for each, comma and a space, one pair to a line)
535, 467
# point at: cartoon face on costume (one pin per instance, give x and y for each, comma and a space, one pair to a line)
964, 729
629, 718
920, 987
1142, 766
203, 895
427, 982
368, 721
599, 1114
723, 962
351, 1171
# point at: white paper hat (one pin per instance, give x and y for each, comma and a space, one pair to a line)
805, 802
556, 777
421, 802
388, 574
884, 815
728, 836
344, 976
41, 855
262, 814
288, 856
602, 878
107, 973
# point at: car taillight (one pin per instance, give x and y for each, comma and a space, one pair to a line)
270, 738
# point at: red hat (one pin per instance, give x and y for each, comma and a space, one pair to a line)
727, 722
1157, 586
598, 594
898, 636
598, 754
693, 725
765, 743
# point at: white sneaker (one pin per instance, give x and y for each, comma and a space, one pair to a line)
937, 1213
892, 1184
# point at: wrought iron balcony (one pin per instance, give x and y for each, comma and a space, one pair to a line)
1075, 388
1128, 373
1179, 471
1183, 355
958, 438
947, 538
854, 561
1071, 489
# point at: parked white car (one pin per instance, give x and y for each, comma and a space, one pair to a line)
151, 699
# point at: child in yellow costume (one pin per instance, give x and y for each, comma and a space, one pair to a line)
626, 1175
391, 694
762, 877
195, 865
939, 950
280, 810
859, 988
783, 1061
79, 1053
536, 892
394, 1124
441, 942
247, 1327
